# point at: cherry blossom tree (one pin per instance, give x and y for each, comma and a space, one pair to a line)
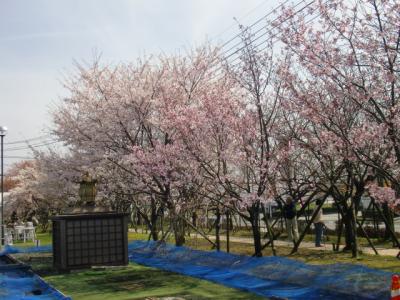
318, 118
39, 191
342, 78
124, 114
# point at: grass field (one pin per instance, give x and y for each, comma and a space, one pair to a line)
140, 282
129, 282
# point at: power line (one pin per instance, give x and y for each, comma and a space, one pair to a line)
249, 27
240, 18
270, 31
44, 143
256, 52
260, 50
19, 157
28, 140
266, 33
255, 38
255, 23
260, 29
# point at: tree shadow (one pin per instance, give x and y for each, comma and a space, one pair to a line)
129, 282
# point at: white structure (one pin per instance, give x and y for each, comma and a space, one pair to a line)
6, 195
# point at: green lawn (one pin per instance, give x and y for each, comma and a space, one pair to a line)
130, 282
45, 239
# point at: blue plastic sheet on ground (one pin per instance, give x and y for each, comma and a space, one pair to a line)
278, 277
24, 285
36, 249
18, 282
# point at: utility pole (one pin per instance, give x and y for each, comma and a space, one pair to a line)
3, 131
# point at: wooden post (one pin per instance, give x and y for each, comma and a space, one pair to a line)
217, 228
227, 230
269, 231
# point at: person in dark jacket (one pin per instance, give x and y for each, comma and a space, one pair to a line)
289, 211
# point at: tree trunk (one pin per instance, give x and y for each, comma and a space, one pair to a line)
194, 219
269, 230
255, 226
139, 218
389, 217
227, 230
179, 231
354, 249
350, 231
153, 220
217, 229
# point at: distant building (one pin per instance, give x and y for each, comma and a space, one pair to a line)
6, 197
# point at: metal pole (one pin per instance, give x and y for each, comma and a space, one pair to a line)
2, 192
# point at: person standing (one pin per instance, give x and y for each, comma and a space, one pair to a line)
318, 223
289, 211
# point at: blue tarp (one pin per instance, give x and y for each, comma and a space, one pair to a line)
12, 249
278, 277
23, 284
18, 282
267, 276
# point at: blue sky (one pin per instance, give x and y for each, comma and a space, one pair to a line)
39, 41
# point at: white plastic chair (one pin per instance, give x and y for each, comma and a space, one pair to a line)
29, 232
8, 237
19, 231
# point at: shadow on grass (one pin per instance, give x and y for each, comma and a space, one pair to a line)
130, 282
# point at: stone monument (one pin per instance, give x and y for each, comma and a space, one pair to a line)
87, 235
87, 191
87, 197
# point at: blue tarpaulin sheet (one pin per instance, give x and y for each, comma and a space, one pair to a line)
37, 249
18, 282
273, 276
20, 285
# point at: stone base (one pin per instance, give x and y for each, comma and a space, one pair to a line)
89, 236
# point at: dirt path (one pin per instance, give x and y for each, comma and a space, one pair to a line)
311, 246
304, 245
